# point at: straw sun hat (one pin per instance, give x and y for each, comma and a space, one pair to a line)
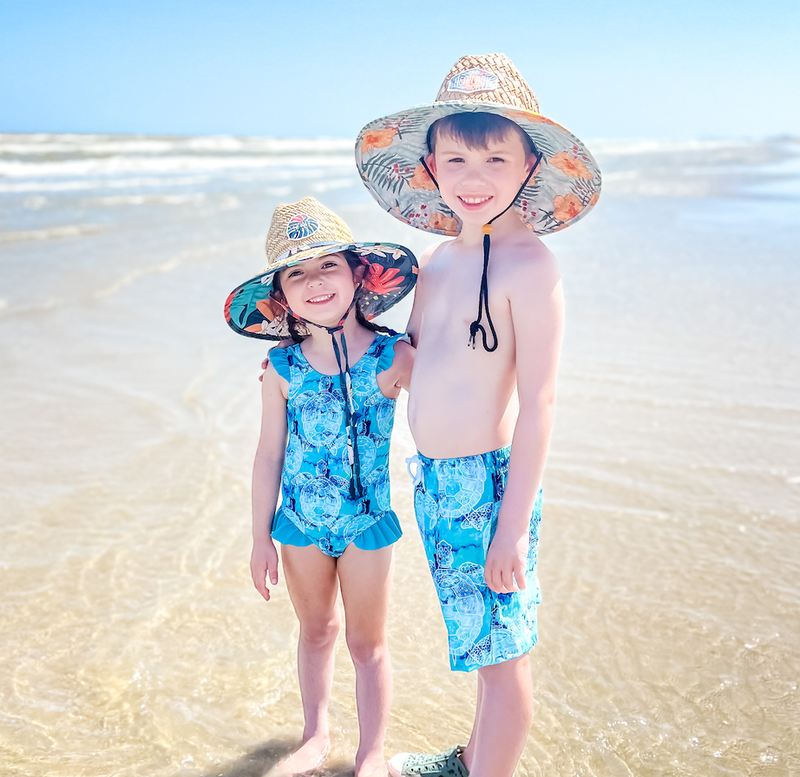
308, 230
389, 152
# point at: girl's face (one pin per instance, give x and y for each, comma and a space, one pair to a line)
478, 183
319, 290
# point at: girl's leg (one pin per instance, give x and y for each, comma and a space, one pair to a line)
313, 588
365, 576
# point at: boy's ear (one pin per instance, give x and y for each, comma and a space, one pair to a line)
430, 160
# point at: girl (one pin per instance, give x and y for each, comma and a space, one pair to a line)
328, 410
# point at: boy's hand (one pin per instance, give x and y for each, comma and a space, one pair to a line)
506, 561
263, 563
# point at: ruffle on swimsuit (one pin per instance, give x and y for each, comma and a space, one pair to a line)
315, 503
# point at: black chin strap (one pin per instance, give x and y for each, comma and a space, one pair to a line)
483, 296
345, 383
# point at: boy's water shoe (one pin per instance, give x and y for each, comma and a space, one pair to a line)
446, 764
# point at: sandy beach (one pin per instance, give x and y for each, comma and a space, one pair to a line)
133, 642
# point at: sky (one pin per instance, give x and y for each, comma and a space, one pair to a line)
617, 69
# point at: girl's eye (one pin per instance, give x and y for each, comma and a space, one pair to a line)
293, 273
329, 264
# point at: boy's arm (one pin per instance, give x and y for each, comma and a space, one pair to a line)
415, 319
267, 469
537, 313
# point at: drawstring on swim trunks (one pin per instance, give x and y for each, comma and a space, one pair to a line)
483, 296
416, 476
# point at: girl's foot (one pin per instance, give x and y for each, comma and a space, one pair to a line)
372, 766
309, 756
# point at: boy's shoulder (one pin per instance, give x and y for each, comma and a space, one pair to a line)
523, 258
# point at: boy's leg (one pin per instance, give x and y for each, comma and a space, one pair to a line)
503, 718
365, 577
313, 588
468, 753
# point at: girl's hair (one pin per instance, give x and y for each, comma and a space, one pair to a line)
475, 130
299, 331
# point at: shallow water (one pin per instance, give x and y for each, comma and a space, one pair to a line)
132, 640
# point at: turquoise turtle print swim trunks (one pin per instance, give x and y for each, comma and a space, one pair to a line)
315, 484
457, 502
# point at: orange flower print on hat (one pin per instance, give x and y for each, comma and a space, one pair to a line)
269, 308
421, 179
381, 280
379, 138
570, 165
445, 223
566, 207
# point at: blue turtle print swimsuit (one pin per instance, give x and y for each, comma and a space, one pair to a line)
457, 502
315, 485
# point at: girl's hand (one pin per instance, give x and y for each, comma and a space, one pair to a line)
263, 564
506, 560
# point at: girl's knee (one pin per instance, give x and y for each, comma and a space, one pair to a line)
320, 633
367, 649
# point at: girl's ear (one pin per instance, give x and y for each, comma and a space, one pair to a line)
360, 271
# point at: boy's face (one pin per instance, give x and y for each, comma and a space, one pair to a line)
479, 183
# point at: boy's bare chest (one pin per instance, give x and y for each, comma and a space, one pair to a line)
453, 291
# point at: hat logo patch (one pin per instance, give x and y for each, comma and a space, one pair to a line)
300, 226
474, 80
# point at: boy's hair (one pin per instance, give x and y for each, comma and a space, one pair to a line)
475, 130
299, 331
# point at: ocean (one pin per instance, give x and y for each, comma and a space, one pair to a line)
133, 642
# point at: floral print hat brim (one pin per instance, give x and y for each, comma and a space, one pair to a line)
308, 230
389, 152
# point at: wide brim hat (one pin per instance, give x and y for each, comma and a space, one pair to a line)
306, 230
562, 190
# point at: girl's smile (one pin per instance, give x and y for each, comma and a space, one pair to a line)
319, 290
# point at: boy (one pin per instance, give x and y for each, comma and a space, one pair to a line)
482, 165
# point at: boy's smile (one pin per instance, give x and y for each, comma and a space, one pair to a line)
478, 183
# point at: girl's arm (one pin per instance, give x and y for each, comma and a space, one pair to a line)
267, 469
398, 376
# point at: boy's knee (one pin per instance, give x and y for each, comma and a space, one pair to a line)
506, 670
